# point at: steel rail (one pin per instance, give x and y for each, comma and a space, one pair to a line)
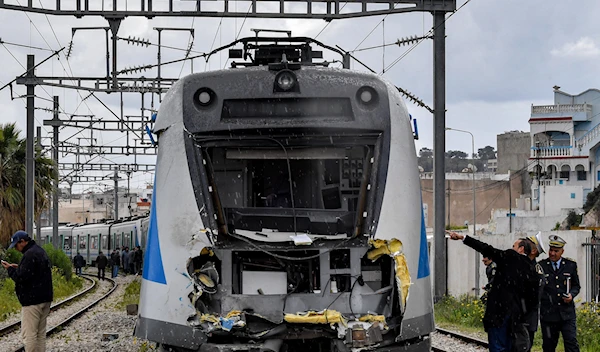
461, 337
59, 327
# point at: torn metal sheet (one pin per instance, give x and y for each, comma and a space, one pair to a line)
393, 248
326, 316
211, 322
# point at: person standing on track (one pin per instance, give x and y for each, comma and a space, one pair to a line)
78, 263
101, 263
33, 285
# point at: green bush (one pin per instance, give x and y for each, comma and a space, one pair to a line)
13, 256
465, 311
60, 260
9, 303
131, 295
573, 219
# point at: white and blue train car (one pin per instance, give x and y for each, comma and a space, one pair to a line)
65, 238
286, 212
87, 240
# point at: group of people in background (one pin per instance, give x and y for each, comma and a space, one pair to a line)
522, 292
129, 260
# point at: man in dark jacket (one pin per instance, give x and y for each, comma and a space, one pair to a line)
532, 317
33, 285
116, 262
101, 263
78, 263
513, 294
557, 309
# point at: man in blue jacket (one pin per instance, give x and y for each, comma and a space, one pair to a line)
33, 285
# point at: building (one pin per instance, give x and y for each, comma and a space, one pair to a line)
492, 165
564, 151
513, 151
491, 192
513, 155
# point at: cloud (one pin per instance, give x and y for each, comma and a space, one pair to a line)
584, 48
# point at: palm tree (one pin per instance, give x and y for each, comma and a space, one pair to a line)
12, 181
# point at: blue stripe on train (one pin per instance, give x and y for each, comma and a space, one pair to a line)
153, 265
424, 250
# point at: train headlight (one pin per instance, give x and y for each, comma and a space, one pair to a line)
204, 97
367, 96
285, 81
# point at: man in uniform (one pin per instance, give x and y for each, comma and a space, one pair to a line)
557, 309
532, 317
490, 272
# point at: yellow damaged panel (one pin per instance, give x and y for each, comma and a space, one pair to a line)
212, 318
393, 248
323, 317
370, 318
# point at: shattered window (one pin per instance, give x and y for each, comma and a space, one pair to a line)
265, 188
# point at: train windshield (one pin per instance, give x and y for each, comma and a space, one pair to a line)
314, 190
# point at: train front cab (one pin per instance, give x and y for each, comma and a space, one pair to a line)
186, 208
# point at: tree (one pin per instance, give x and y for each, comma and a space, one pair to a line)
486, 153
12, 181
456, 154
425, 159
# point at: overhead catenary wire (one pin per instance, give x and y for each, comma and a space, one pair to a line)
431, 31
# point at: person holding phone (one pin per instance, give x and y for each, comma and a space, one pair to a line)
557, 309
33, 285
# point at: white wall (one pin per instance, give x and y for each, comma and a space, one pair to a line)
555, 198
461, 259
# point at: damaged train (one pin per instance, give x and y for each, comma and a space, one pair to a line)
287, 211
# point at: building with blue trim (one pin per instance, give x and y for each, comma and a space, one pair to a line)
565, 151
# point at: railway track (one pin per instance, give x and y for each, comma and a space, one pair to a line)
463, 338
14, 326
58, 327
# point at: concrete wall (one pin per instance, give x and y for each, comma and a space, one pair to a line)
461, 259
554, 199
490, 194
514, 149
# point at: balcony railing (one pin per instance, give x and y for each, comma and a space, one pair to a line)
555, 109
551, 152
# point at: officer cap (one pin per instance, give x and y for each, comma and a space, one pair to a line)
556, 241
537, 240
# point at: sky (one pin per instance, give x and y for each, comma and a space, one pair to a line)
501, 57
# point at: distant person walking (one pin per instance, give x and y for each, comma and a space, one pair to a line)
131, 260
78, 263
139, 258
125, 260
116, 262
33, 285
101, 263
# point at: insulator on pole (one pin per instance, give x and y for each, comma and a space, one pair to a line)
137, 41
411, 40
69, 49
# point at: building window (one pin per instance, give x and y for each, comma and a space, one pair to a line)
581, 175
564, 174
598, 175
572, 195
